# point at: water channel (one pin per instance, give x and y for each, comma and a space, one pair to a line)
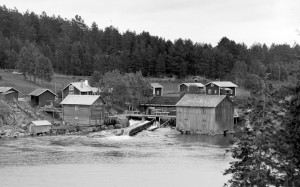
160, 158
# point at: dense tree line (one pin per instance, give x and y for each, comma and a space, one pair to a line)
74, 48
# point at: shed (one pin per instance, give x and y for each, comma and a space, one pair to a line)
42, 97
205, 114
83, 110
185, 87
9, 94
42, 126
79, 88
221, 88
157, 89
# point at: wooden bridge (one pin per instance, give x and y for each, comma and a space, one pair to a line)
134, 129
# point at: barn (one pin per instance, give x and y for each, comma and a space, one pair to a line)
9, 94
79, 88
204, 114
83, 110
221, 88
36, 127
158, 89
41, 97
187, 87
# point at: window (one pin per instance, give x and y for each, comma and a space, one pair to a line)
209, 91
71, 88
212, 85
157, 92
215, 91
76, 108
203, 111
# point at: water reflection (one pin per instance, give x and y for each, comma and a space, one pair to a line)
218, 140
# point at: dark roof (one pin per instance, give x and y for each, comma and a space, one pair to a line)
164, 100
197, 100
39, 91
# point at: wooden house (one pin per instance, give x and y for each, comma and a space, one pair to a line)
36, 127
158, 89
9, 94
79, 88
221, 88
187, 87
205, 114
41, 97
83, 110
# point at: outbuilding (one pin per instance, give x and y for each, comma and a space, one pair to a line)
83, 110
204, 114
193, 87
221, 88
9, 94
158, 89
36, 127
41, 97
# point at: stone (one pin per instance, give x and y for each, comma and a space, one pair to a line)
111, 127
118, 126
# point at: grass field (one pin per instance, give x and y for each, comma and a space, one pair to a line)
25, 86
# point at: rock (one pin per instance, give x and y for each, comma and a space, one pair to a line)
103, 127
111, 127
91, 129
24, 126
118, 126
21, 134
8, 132
118, 132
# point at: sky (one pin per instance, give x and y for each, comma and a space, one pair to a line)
202, 21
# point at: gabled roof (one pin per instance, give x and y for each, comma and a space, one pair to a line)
5, 89
193, 84
223, 84
39, 91
83, 87
40, 123
80, 99
156, 85
197, 100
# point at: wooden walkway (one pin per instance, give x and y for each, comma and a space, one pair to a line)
134, 129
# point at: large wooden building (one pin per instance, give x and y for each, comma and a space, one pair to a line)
42, 97
204, 114
79, 88
9, 94
83, 110
221, 88
187, 87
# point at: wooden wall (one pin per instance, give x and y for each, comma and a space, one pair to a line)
196, 119
224, 115
214, 89
66, 92
77, 115
45, 97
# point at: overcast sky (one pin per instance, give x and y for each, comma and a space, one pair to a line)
202, 21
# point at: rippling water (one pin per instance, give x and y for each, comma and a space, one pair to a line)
160, 158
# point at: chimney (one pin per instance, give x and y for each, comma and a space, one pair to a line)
81, 83
86, 82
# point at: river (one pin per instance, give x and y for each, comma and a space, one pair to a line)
155, 159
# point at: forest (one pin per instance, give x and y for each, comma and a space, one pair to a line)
71, 47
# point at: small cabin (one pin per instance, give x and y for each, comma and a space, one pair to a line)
9, 94
204, 114
36, 127
193, 87
221, 88
42, 97
157, 89
83, 110
79, 88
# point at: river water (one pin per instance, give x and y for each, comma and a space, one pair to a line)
160, 158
